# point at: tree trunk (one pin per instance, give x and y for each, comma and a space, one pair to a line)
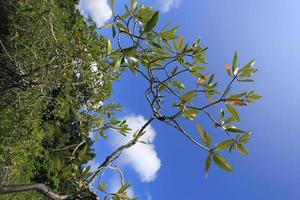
39, 187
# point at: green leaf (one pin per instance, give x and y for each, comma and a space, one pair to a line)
256, 97
85, 172
115, 53
144, 142
155, 44
108, 46
83, 151
203, 135
144, 14
245, 137
133, 59
233, 112
207, 139
229, 120
242, 150
237, 96
118, 64
236, 102
234, 61
152, 22
174, 71
199, 129
247, 70
250, 64
232, 147
252, 97
190, 114
247, 73
101, 134
122, 27
188, 97
178, 85
221, 162
245, 80
223, 145
196, 68
207, 165
102, 187
124, 188
233, 129
170, 34
221, 119
113, 31
162, 87
133, 4
108, 25
112, 4
180, 42
131, 67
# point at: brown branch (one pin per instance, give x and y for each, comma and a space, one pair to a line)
39, 187
109, 159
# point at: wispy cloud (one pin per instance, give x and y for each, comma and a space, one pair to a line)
149, 197
98, 10
166, 5
141, 157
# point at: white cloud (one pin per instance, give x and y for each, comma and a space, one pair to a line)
149, 197
141, 157
98, 10
166, 5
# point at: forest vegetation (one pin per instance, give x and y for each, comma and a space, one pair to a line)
56, 76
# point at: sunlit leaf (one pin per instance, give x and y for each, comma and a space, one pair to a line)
233, 112
178, 85
112, 4
207, 139
228, 70
233, 129
201, 134
117, 64
221, 162
108, 25
122, 27
245, 137
190, 114
113, 31
108, 46
133, 4
207, 165
234, 61
180, 42
242, 150
201, 80
152, 22
223, 145
237, 102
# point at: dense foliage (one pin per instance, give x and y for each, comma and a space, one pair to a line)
56, 72
46, 76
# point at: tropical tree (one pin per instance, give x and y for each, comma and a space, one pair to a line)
69, 69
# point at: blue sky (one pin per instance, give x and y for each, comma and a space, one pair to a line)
267, 31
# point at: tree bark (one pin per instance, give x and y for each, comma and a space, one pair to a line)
39, 187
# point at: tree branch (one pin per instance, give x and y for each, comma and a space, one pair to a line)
39, 187
109, 159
